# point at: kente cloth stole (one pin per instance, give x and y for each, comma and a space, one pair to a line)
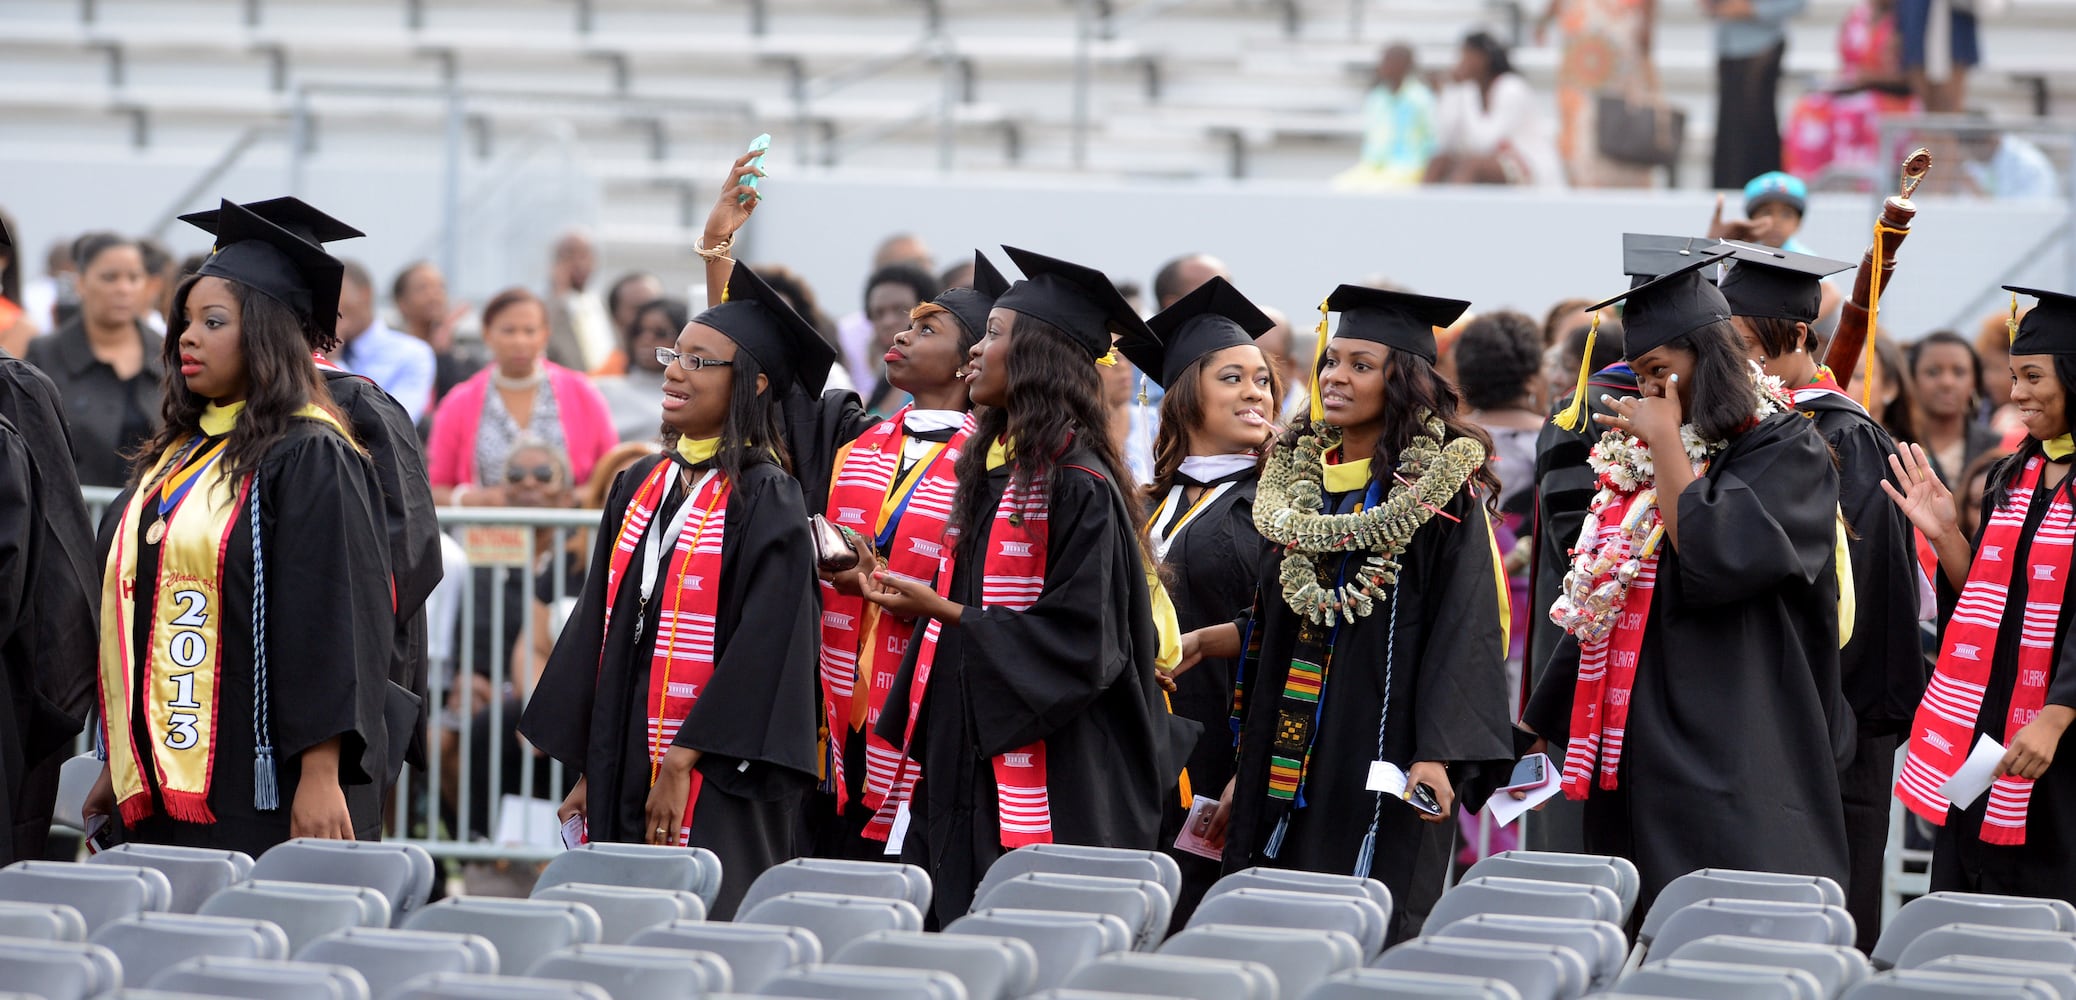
199, 510
906, 517
1944, 730
681, 659
1607, 666
1013, 577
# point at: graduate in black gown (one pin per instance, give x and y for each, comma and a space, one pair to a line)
2019, 838
691, 713
1735, 726
1217, 418
1774, 296
246, 627
1031, 702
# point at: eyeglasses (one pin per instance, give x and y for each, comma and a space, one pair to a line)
689, 362
542, 474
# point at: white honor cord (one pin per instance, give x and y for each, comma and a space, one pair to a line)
1162, 536
652, 566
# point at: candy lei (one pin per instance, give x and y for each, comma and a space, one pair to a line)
1603, 568
1289, 501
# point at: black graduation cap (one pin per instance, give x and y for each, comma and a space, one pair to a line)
2050, 327
761, 322
971, 305
275, 247
1211, 318
1669, 306
1768, 283
6, 238
1399, 320
1079, 300
1647, 256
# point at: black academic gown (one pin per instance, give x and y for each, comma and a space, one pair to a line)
1448, 703
815, 427
1210, 569
2045, 865
1883, 669
1564, 489
329, 636
49, 599
1737, 725
1075, 670
754, 725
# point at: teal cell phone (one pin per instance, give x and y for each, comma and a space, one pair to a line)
758, 145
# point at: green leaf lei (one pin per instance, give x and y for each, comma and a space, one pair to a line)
1290, 498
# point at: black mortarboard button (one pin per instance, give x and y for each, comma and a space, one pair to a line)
1768, 283
760, 321
1669, 306
1648, 256
2049, 327
1401, 321
972, 305
1211, 318
1080, 301
281, 261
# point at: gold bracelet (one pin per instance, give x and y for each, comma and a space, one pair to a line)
714, 253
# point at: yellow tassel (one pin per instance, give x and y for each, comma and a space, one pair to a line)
1318, 409
1573, 418
1867, 359
2011, 324
1109, 358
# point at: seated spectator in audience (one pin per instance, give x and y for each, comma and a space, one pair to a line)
1999, 164
890, 295
1490, 126
1839, 128
1398, 126
1937, 57
627, 295
420, 296
581, 330
1774, 203
855, 332
1604, 50
105, 363
521, 394
801, 296
16, 330
401, 364
636, 398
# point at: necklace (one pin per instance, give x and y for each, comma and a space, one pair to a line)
1290, 500
519, 384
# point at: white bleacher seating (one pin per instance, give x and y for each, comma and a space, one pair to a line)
101, 893
690, 869
402, 873
755, 952
305, 912
1779, 920
41, 921
2058, 975
1535, 897
624, 911
252, 979
1177, 975
1836, 967
1938, 909
1537, 971
388, 958
59, 970
1075, 859
864, 982
835, 920
1721, 981
1143, 905
1299, 958
1599, 942
630, 973
447, 986
2023, 943
195, 873
150, 943
519, 928
1923, 984
879, 879
1354, 915
990, 968
1405, 984
1062, 941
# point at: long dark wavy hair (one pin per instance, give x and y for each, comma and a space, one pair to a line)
1721, 399
279, 381
1183, 408
750, 433
1997, 489
1055, 399
1411, 385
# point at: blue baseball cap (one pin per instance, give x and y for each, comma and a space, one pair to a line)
1775, 186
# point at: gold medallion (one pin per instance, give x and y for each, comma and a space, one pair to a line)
156, 533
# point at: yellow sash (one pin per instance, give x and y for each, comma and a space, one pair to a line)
179, 675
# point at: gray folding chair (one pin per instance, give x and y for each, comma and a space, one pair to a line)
41, 921
101, 893
1836, 967
195, 873
755, 952
624, 911
991, 968
836, 920
253, 979
2055, 947
1538, 971
59, 970
1065, 994
450, 986
1775, 920
519, 928
304, 912
1680, 977
1178, 976
1355, 915
1525, 864
1724, 883
1299, 958
1062, 941
150, 943
864, 982
691, 869
402, 873
1081, 859
1406, 984
874, 879
1925, 984
389, 958
2060, 976
1143, 905
1937, 909
1532, 897
1293, 880
1628, 883
630, 973
1600, 943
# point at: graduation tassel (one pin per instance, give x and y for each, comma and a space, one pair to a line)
266, 790
1574, 416
1275, 844
1318, 409
1369, 847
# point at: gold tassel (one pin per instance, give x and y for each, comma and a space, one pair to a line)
1318, 409
1109, 358
2011, 324
1573, 418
